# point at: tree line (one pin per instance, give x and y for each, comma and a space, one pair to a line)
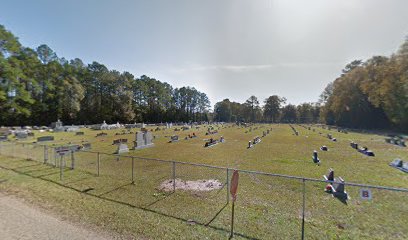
37, 87
370, 94
273, 110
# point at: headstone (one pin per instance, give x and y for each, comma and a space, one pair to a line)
122, 148
396, 163
57, 126
45, 138
211, 142
104, 126
174, 138
339, 189
256, 140
143, 140
21, 134
72, 129
315, 157
102, 134
119, 141
3, 138
329, 176
86, 146
369, 153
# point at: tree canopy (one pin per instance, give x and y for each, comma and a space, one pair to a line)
37, 87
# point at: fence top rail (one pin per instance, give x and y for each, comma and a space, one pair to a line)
261, 173
250, 171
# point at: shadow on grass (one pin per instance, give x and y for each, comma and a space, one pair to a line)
114, 189
207, 225
158, 200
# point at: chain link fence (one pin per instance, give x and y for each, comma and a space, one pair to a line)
268, 206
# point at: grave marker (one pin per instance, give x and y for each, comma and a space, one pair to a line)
122, 148
45, 138
365, 194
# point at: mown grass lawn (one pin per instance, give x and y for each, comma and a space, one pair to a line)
266, 208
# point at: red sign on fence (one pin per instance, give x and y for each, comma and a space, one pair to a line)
234, 185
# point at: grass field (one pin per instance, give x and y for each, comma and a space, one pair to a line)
267, 207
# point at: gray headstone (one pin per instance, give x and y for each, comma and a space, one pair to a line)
122, 148
86, 146
45, 138
396, 163
148, 138
143, 140
21, 135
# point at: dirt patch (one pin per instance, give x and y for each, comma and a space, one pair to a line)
198, 185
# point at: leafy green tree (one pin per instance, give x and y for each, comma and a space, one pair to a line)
272, 108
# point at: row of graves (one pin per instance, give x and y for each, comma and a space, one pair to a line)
123, 132
396, 140
175, 138
250, 129
330, 137
105, 126
258, 139
212, 142
295, 132
59, 127
211, 131
135, 125
363, 150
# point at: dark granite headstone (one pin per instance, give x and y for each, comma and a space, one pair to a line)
45, 138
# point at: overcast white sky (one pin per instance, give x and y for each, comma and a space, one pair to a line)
227, 49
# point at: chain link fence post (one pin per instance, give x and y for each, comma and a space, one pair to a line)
133, 170
72, 160
45, 154
98, 162
303, 208
227, 184
174, 176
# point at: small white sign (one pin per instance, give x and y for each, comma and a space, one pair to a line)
365, 194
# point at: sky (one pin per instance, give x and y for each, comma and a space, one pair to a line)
227, 49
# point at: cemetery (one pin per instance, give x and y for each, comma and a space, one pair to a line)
196, 119
280, 152
396, 140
